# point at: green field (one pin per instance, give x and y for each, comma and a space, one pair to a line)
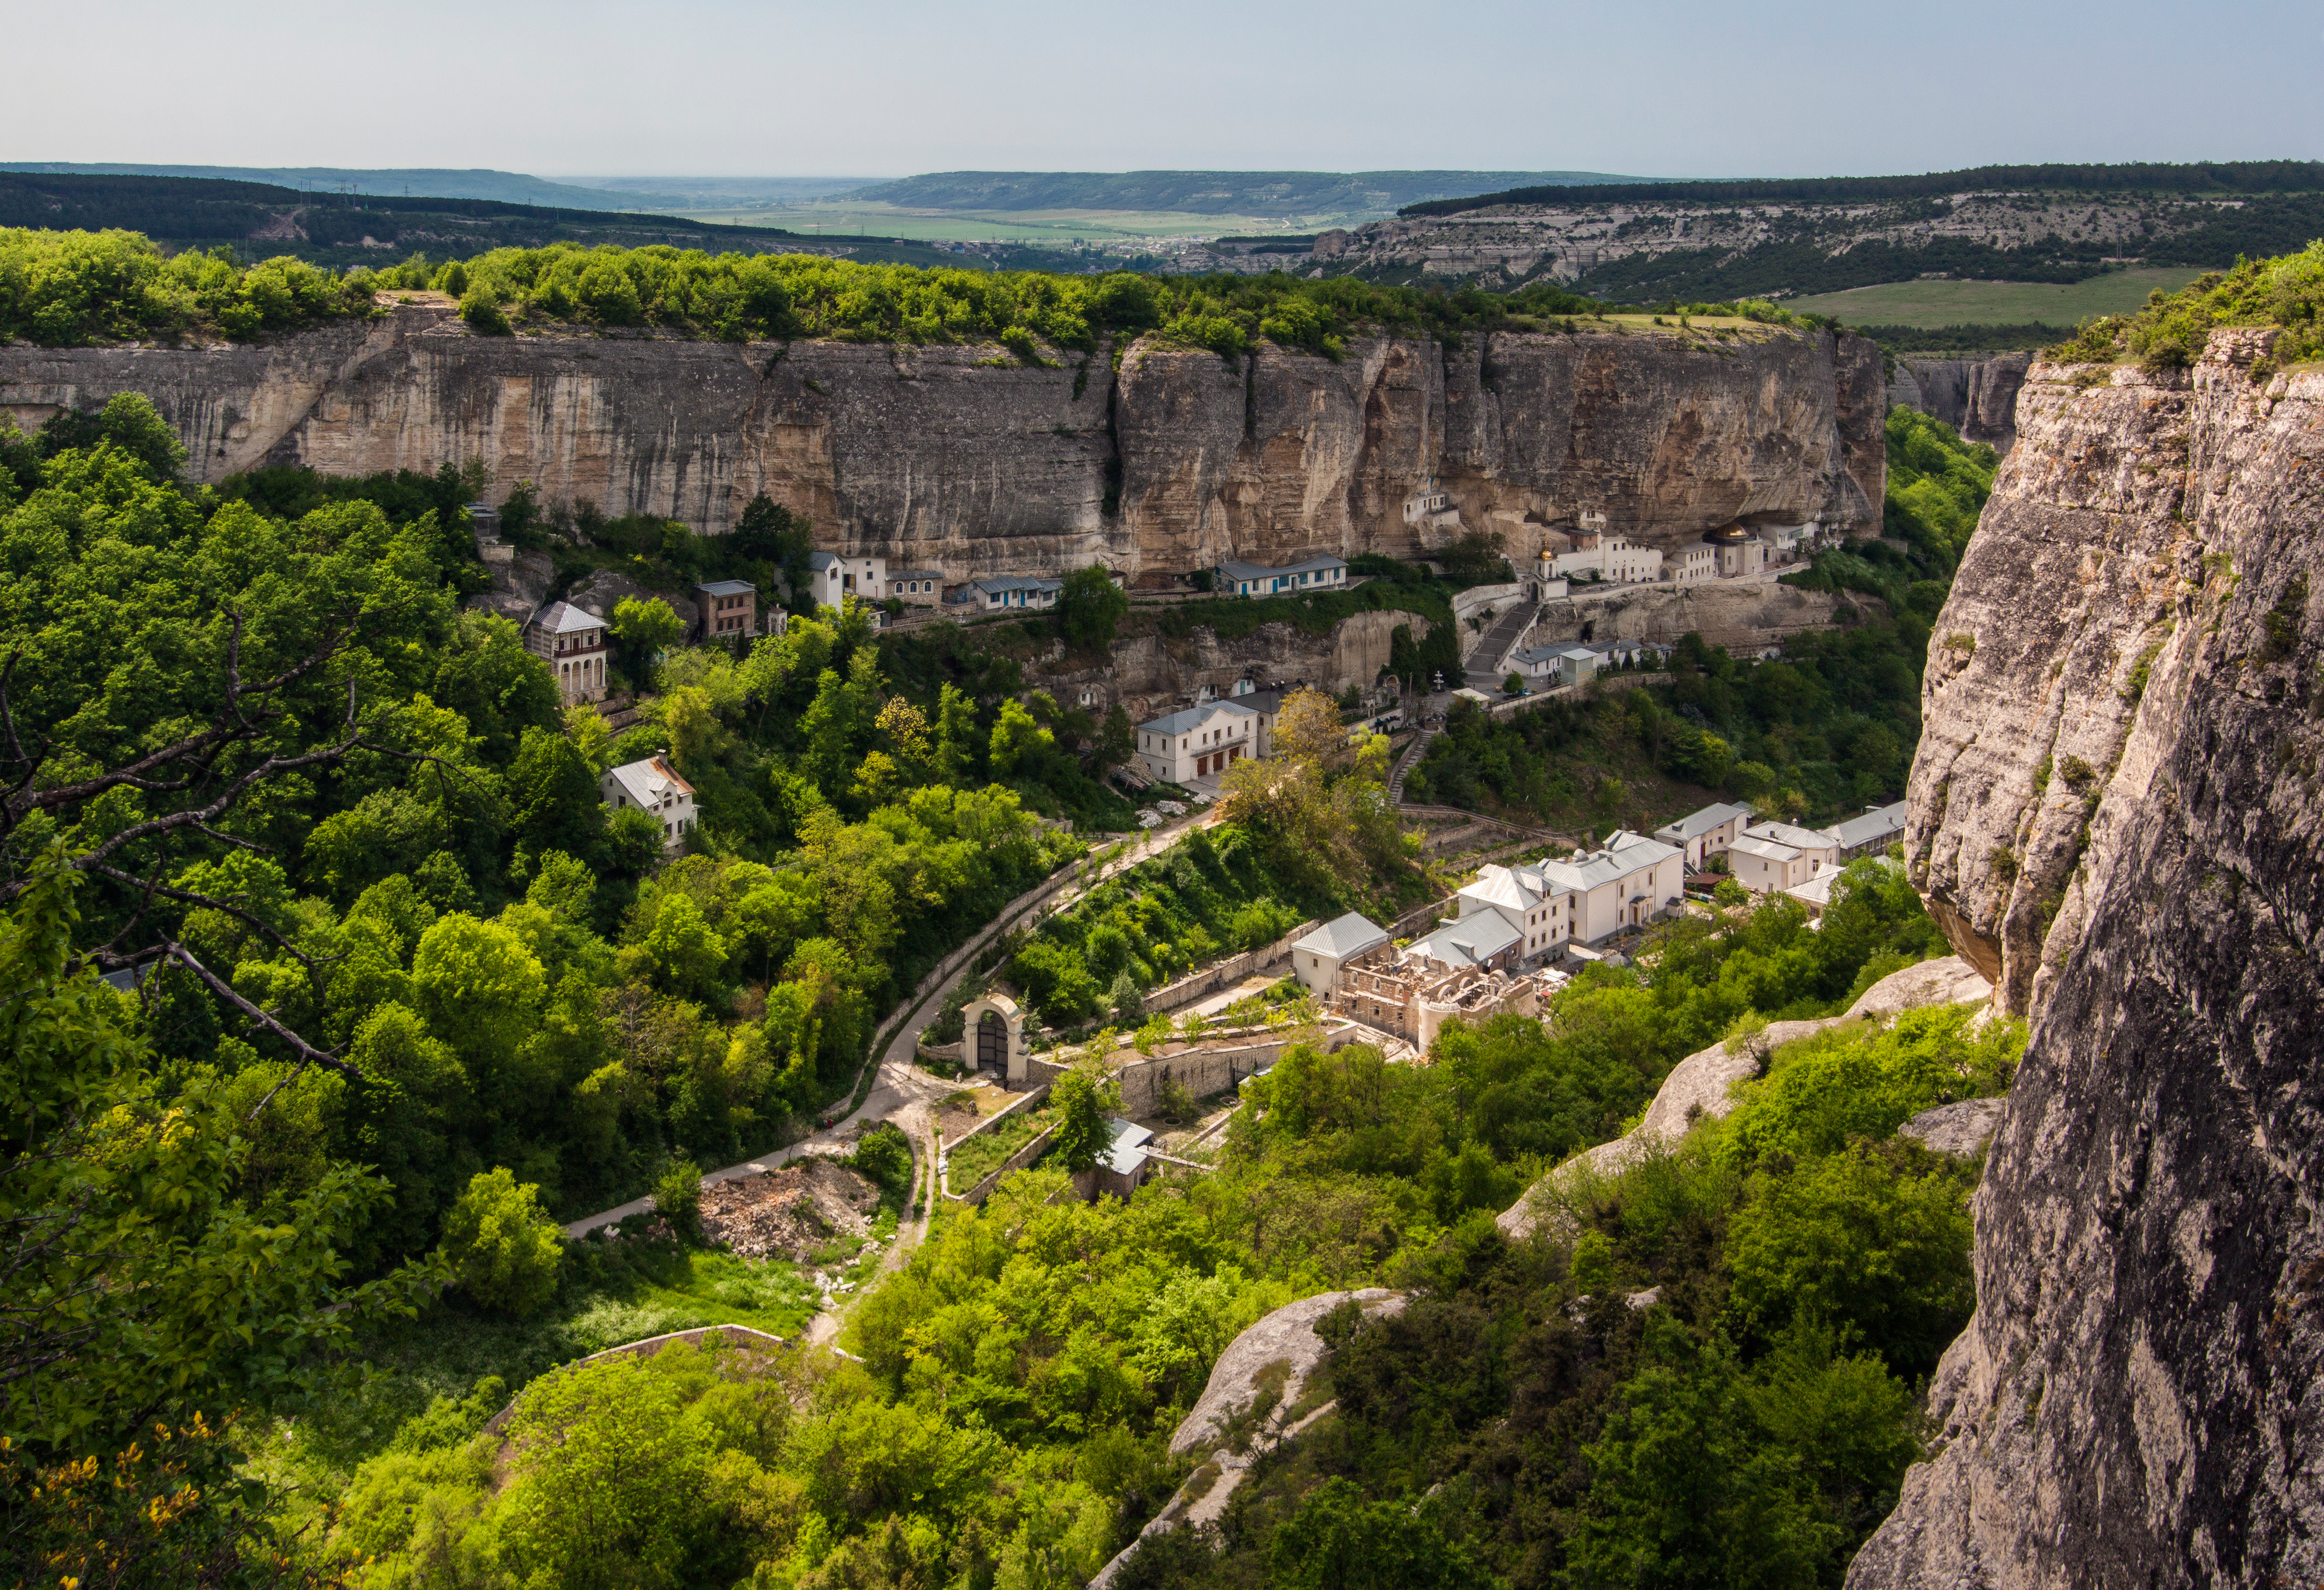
1992, 303
1059, 227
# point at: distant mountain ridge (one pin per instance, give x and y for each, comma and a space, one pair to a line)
1215, 193
417, 182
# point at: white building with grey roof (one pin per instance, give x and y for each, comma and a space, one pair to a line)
1238, 578
1870, 834
1198, 742
572, 640
1702, 834
1316, 959
653, 787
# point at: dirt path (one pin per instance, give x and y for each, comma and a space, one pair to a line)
902, 1092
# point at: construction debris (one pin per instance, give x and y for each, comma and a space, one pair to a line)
791, 1213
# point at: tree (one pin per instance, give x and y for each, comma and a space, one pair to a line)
144, 1282
677, 1196
1082, 1098
553, 791
1117, 741
479, 987
643, 630
1338, 1540
956, 734
1308, 728
505, 1246
1512, 683
1090, 608
1019, 743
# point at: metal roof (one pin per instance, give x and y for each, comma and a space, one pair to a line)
727, 588
1127, 1151
995, 584
1696, 824
1343, 936
563, 618
1798, 839
1875, 824
1767, 848
1468, 942
1187, 719
1625, 856
819, 562
646, 781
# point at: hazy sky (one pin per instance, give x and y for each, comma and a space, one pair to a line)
713, 87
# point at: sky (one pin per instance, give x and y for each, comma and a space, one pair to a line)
1660, 88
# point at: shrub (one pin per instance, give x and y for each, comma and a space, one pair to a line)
677, 1196
506, 1247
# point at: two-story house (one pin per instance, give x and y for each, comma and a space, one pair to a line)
1198, 743
729, 608
833, 578
1702, 834
572, 641
653, 787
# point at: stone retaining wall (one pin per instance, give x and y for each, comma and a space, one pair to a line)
1195, 985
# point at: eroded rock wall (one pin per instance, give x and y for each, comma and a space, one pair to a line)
965, 459
2139, 1398
1975, 394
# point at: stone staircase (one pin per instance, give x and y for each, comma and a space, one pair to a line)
1413, 750
1488, 661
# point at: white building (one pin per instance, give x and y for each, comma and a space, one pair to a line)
1004, 592
1695, 563
1871, 834
1198, 743
1259, 579
1316, 959
653, 787
1585, 899
916, 587
1629, 881
831, 579
1595, 553
572, 641
1767, 866
1816, 844
1702, 834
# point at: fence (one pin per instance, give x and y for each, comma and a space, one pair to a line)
1193, 985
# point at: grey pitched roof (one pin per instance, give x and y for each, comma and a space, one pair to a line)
1343, 936
993, 584
1875, 824
1696, 824
916, 574
1127, 1151
1263, 702
1192, 717
1470, 941
727, 588
562, 618
819, 562
1235, 568
1625, 853
1790, 834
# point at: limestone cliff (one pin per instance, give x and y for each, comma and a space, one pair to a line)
965, 459
2139, 1398
1975, 394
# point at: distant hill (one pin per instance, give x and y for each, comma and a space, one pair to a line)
419, 182
724, 192
345, 229
1211, 193
2201, 177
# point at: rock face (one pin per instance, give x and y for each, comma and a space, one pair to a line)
2139, 1398
965, 459
1975, 394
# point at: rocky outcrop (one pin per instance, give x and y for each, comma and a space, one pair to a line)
1959, 1129
2139, 1398
1975, 394
967, 459
1703, 1084
1734, 614
1258, 1398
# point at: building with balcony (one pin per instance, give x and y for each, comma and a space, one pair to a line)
572, 641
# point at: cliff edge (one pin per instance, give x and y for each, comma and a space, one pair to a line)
969, 460
2116, 807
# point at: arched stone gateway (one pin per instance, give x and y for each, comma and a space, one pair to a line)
993, 1037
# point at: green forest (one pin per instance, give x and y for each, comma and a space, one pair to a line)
60, 287
1819, 734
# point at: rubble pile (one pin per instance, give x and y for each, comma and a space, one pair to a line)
788, 1213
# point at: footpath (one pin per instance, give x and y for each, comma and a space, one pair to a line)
898, 1090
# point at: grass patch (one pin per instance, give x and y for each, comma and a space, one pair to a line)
989, 1150
1934, 304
